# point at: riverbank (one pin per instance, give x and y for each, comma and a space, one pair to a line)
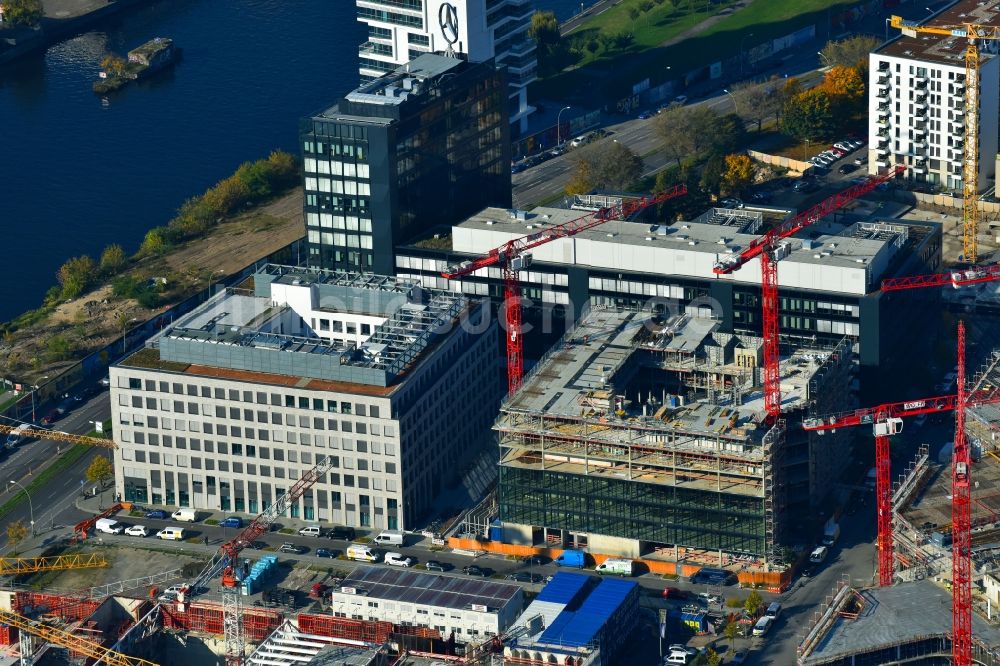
59, 339
63, 19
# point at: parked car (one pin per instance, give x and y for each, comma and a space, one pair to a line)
675, 593
645, 115
50, 417
325, 552
524, 577
761, 197
157, 514
805, 185
137, 531
847, 168
434, 565
517, 168
681, 99
340, 533
232, 521
732, 202
836, 152
397, 560
473, 570
859, 161
535, 560
844, 146
310, 531
580, 140
288, 547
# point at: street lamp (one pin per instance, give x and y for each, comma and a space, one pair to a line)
737, 106
34, 387
823, 57
887, 29
805, 155
741, 51
559, 126
31, 510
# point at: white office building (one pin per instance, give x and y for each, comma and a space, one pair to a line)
472, 608
401, 30
916, 102
229, 405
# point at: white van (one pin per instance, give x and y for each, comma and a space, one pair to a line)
109, 526
361, 553
818, 555
310, 531
763, 625
620, 567
171, 534
18, 436
184, 515
390, 538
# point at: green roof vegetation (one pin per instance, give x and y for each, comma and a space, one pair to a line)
149, 359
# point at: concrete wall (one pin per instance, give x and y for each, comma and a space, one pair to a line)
797, 167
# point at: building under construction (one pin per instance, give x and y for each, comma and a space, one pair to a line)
906, 623
644, 435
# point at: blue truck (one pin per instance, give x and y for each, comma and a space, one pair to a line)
574, 559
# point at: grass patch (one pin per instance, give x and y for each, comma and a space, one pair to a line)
669, 576
137, 514
286, 530
211, 521
363, 539
64, 462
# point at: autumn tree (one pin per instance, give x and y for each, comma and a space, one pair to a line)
155, 242
113, 65
739, 174
785, 92
850, 52
844, 81
754, 603
608, 165
17, 532
76, 275
112, 259
99, 470
22, 12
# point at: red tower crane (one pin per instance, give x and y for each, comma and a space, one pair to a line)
886, 420
767, 249
513, 256
960, 277
225, 560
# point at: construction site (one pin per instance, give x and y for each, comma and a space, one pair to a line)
645, 435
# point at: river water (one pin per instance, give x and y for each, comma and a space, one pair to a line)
78, 171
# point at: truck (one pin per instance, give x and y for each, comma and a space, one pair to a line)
831, 532
619, 567
361, 553
574, 559
17, 436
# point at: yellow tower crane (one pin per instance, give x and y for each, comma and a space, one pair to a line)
68, 640
970, 172
15, 566
57, 436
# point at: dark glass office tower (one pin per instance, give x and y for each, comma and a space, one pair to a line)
425, 145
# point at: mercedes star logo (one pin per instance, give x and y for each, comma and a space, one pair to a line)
448, 20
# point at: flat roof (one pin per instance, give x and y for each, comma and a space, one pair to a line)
587, 362
891, 616
395, 87
940, 49
842, 256
266, 329
429, 589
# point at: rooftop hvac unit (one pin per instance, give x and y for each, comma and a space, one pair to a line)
480, 608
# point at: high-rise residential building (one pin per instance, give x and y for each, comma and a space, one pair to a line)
916, 102
482, 30
232, 402
425, 145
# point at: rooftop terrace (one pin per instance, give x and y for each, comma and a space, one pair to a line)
429, 589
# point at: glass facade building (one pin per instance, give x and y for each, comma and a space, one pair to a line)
423, 146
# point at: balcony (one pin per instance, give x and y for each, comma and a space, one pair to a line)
884, 110
881, 163
883, 75
882, 122
882, 90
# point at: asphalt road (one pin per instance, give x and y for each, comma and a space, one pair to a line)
48, 503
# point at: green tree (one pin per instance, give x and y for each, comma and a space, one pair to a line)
608, 165
712, 658
725, 134
739, 175
16, 533
76, 275
731, 631
22, 12
112, 259
850, 52
155, 242
58, 347
754, 603
544, 29
284, 169
756, 102
712, 174
811, 115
